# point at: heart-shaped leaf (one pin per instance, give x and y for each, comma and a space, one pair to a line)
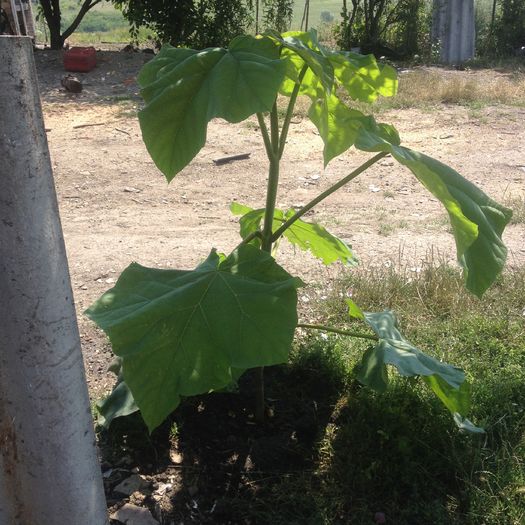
183, 333
184, 89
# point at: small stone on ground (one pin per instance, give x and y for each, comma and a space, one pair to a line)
133, 515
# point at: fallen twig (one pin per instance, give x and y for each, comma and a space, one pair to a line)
231, 158
78, 126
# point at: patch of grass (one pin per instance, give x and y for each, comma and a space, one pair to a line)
427, 88
126, 109
512, 65
121, 98
385, 229
388, 228
517, 205
251, 124
399, 452
119, 35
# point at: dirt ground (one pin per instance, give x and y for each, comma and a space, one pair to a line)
116, 207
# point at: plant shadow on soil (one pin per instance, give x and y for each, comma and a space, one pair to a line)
331, 452
229, 463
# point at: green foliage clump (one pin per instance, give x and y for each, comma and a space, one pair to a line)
391, 28
500, 28
277, 14
510, 27
205, 23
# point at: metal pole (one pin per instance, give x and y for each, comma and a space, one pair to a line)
49, 473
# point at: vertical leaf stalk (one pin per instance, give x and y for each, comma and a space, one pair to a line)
274, 145
273, 181
289, 111
271, 142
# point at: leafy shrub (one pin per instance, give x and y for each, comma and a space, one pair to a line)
203, 23
182, 333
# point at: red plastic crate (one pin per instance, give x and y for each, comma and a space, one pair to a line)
80, 59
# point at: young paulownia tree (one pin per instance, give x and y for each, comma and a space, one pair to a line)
186, 332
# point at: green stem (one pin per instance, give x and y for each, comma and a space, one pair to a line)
273, 182
307, 207
250, 238
272, 149
289, 111
265, 136
361, 335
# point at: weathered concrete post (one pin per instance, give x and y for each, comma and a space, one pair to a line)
453, 27
49, 473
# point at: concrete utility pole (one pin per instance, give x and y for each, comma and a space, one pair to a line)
49, 473
453, 27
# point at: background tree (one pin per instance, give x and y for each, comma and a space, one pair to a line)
203, 23
510, 27
277, 14
383, 27
500, 27
51, 12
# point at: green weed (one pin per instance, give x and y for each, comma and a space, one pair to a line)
517, 205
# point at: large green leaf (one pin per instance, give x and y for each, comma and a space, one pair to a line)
362, 77
327, 70
184, 89
300, 48
305, 235
477, 221
393, 349
182, 333
337, 124
340, 127
446, 381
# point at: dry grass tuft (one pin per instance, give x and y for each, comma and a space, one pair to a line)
517, 204
423, 87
